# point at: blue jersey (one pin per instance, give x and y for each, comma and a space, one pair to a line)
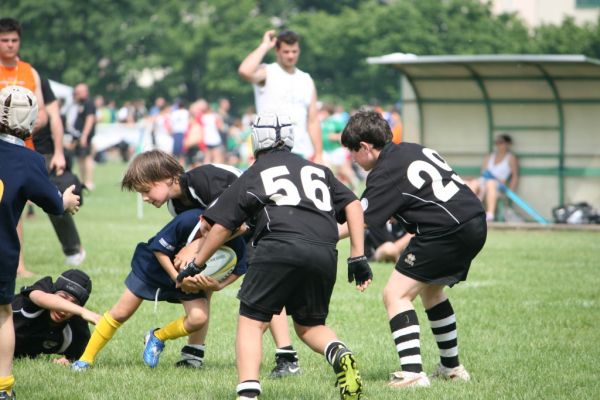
172, 238
23, 176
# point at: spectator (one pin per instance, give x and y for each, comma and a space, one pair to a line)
226, 119
212, 124
180, 120
103, 114
85, 128
284, 89
193, 140
335, 156
501, 164
159, 104
49, 143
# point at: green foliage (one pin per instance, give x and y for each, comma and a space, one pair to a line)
527, 320
195, 47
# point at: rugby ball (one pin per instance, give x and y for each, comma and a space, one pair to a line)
220, 265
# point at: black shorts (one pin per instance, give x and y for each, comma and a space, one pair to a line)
84, 151
7, 290
444, 259
147, 291
290, 273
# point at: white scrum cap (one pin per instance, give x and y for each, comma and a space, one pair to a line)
18, 110
270, 131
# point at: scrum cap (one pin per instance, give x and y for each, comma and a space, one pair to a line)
271, 131
75, 282
18, 111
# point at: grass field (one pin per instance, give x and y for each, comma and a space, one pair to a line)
528, 320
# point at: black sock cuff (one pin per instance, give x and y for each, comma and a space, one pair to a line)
404, 319
440, 311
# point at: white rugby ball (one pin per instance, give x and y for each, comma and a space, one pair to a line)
220, 265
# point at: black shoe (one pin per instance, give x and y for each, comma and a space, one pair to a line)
284, 367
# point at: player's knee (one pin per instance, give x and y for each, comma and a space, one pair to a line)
120, 314
388, 296
197, 319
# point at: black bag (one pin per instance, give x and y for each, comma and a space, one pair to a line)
66, 179
576, 213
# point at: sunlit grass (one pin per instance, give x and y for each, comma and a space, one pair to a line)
527, 317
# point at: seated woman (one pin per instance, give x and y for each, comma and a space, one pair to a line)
501, 164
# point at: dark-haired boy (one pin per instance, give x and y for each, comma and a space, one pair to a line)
414, 185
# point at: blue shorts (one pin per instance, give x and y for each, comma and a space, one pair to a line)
147, 291
7, 290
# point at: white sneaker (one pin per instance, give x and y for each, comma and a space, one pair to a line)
76, 259
402, 379
454, 374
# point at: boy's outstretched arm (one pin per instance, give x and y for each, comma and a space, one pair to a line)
53, 302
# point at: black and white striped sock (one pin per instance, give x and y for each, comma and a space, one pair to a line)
405, 331
443, 325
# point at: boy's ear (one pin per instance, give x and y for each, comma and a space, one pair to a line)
365, 145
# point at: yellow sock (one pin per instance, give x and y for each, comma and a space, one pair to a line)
105, 330
172, 330
6, 383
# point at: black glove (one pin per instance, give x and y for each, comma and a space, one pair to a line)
359, 270
190, 270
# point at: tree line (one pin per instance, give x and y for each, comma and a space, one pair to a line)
193, 48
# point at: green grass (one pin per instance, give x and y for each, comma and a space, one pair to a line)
527, 317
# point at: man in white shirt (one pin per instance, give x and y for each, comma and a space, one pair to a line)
283, 89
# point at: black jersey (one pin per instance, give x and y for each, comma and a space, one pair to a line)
289, 196
202, 185
418, 188
36, 333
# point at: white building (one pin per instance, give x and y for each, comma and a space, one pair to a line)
539, 12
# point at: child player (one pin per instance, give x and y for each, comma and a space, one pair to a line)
296, 203
50, 317
153, 277
418, 188
23, 177
160, 179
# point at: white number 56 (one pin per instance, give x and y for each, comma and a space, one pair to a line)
275, 185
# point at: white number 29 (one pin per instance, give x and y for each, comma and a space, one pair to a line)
443, 193
274, 184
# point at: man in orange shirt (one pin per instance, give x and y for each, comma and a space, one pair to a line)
16, 72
